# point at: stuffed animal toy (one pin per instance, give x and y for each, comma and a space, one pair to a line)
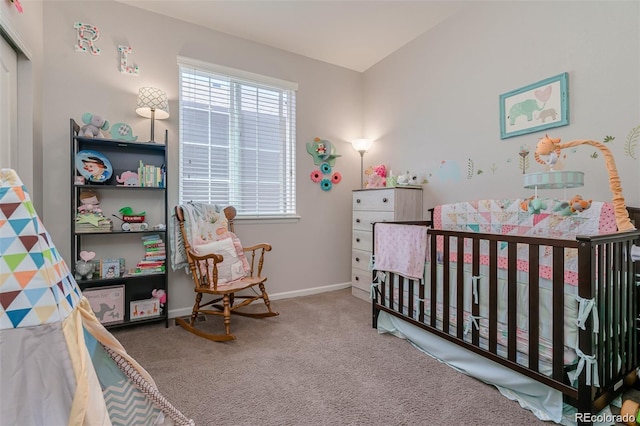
375, 181
89, 202
578, 204
408, 179
380, 170
533, 205
376, 176
84, 266
563, 208
94, 125
161, 295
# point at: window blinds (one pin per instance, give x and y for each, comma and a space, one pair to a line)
237, 140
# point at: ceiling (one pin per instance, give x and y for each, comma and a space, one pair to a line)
354, 34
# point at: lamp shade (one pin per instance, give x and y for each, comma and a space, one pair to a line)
362, 144
554, 180
152, 99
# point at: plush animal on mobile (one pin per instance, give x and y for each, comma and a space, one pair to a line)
547, 145
549, 148
533, 205
578, 204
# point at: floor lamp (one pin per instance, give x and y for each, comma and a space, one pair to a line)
362, 146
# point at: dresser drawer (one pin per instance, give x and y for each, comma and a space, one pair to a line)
375, 199
363, 220
362, 240
361, 279
360, 260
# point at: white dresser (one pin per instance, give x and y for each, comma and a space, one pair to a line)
376, 205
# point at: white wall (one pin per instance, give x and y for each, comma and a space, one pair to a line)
311, 253
433, 104
24, 32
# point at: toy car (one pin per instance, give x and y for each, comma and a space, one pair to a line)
132, 221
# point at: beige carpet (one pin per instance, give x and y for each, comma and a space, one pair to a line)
318, 363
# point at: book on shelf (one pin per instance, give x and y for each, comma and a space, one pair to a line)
93, 223
154, 258
151, 176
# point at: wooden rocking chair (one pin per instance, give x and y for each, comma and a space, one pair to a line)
205, 279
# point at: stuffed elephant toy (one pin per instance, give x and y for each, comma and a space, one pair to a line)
94, 125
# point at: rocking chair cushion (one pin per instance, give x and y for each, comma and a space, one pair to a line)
232, 267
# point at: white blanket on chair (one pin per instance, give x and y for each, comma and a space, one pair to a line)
200, 220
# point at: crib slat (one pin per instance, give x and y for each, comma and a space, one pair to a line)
475, 307
434, 286
627, 275
586, 275
534, 305
460, 292
493, 296
401, 293
411, 290
620, 273
512, 300
615, 285
609, 301
446, 285
558, 313
603, 308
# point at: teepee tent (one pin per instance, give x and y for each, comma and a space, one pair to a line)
58, 364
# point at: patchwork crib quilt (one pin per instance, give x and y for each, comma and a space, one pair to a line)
551, 219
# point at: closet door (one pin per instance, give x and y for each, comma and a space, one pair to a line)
8, 105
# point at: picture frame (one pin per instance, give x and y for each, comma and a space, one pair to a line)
538, 106
110, 268
93, 166
107, 303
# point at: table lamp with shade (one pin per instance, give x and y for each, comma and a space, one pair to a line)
154, 104
362, 145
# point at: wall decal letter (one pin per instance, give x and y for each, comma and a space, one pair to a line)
87, 34
124, 67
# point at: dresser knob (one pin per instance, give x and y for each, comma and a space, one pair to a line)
357, 220
358, 201
357, 278
357, 240
384, 200
357, 259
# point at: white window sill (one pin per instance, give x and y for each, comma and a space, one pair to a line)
258, 220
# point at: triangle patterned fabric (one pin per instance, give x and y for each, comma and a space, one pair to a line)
59, 364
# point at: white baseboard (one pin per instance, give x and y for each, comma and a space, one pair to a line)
181, 312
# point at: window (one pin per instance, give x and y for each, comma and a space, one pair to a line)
237, 140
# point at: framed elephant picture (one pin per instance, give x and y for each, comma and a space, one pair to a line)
535, 107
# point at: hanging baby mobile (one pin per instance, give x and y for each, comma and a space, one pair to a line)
324, 155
